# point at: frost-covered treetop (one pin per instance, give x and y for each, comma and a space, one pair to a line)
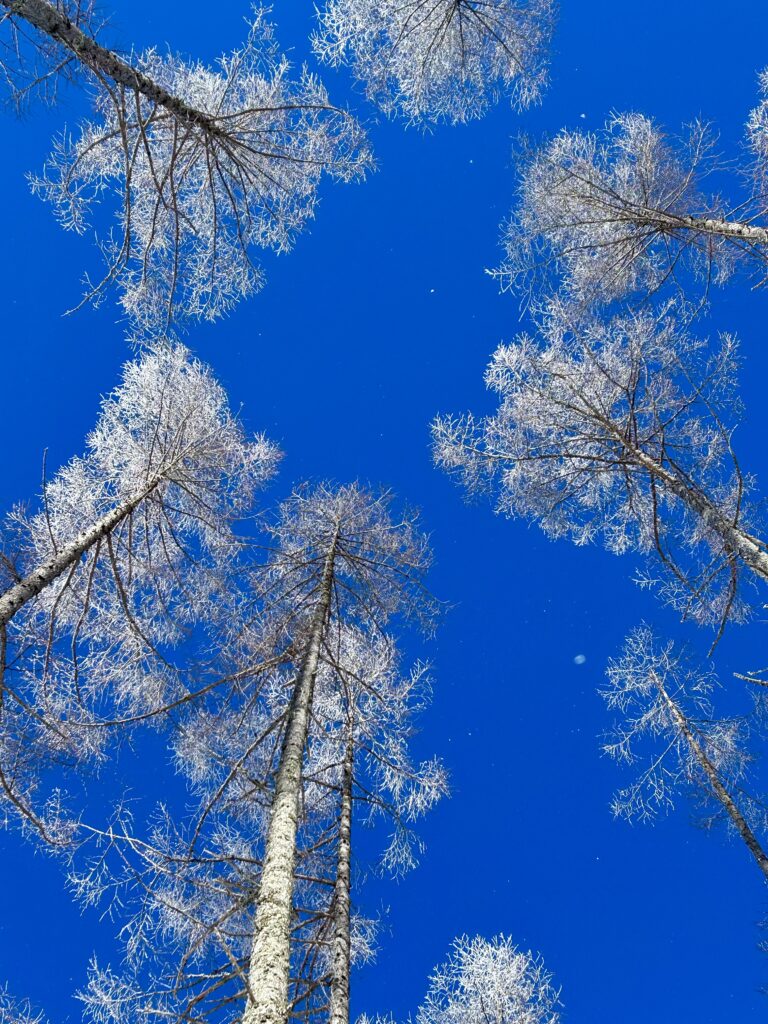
609, 213
445, 60
165, 433
15, 1011
380, 556
619, 431
489, 982
206, 165
667, 728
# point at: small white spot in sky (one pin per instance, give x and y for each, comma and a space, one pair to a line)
579, 659
582, 115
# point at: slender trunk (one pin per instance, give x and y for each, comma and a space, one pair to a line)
721, 793
268, 975
57, 26
20, 593
339, 1006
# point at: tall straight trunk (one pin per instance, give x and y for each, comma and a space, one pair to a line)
268, 974
103, 62
339, 1006
720, 792
20, 593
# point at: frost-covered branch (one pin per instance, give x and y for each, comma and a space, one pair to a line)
205, 165
623, 212
620, 432
664, 703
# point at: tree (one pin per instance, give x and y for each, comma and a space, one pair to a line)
441, 61
132, 547
493, 982
205, 165
486, 982
278, 761
623, 211
621, 431
665, 706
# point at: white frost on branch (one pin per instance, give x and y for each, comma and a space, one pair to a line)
443, 60
490, 982
229, 165
620, 432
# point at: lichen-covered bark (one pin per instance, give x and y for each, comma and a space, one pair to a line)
103, 62
268, 974
339, 1006
718, 789
20, 593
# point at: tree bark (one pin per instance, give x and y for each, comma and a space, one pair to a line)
268, 974
58, 27
20, 593
339, 1006
726, 228
721, 793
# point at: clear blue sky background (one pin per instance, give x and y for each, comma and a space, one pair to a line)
381, 317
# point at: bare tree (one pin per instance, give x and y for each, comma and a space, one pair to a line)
278, 761
487, 982
666, 708
131, 548
624, 212
621, 431
441, 61
205, 165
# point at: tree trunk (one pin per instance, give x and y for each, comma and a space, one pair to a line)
268, 975
726, 228
20, 593
339, 1006
103, 62
721, 793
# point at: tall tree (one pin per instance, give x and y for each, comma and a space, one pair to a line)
624, 212
621, 431
279, 763
131, 548
440, 61
205, 165
665, 704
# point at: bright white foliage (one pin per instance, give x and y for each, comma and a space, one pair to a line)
14, 1011
195, 196
650, 685
440, 60
493, 982
615, 432
95, 639
757, 134
604, 213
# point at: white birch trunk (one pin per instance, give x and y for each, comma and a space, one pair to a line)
727, 228
721, 793
268, 974
20, 593
339, 1005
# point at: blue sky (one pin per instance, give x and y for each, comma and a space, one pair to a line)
381, 317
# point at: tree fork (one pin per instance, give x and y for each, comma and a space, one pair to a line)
268, 974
